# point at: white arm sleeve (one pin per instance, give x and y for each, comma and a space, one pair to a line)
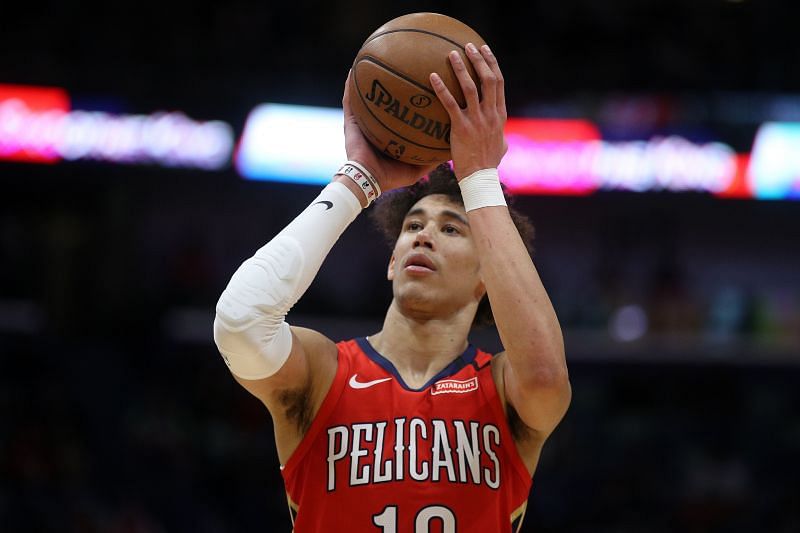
249, 327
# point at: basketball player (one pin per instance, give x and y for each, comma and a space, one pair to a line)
410, 429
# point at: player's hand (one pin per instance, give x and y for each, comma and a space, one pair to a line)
390, 173
476, 132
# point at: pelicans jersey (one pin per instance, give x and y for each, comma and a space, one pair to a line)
381, 457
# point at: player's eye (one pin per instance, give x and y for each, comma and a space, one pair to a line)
413, 225
451, 230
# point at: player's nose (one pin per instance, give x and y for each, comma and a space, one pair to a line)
424, 237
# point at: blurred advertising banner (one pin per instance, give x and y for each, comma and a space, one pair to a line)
304, 144
37, 125
541, 162
25, 115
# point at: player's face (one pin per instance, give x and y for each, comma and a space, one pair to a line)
435, 267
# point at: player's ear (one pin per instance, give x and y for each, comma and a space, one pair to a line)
390, 269
480, 290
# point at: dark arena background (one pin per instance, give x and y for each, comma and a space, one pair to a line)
148, 148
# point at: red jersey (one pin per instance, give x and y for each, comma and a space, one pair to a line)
381, 457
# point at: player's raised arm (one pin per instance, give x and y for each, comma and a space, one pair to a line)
535, 375
264, 353
258, 345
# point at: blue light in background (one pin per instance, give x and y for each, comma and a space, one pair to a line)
774, 172
291, 143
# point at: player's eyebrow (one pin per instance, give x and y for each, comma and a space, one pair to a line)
445, 212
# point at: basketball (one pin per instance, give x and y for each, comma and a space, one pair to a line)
391, 94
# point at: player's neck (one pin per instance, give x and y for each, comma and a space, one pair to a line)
420, 348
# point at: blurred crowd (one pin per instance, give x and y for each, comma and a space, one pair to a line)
672, 271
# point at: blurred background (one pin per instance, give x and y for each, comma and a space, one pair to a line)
656, 148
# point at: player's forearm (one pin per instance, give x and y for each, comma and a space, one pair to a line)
522, 310
249, 327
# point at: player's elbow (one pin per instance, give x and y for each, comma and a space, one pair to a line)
544, 369
552, 383
544, 366
547, 377
230, 340
223, 335
255, 352
541, 401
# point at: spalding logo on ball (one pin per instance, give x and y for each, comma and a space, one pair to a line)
391, 95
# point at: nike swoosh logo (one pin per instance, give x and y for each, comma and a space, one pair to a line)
328, 204
366, 384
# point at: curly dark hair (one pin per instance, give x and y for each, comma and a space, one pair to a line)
390, 210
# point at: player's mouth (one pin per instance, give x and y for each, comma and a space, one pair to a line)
419, 264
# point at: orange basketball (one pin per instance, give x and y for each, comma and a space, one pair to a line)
390, 92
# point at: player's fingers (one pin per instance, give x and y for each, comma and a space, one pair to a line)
464, 79
485, 73
445, 96
500, 87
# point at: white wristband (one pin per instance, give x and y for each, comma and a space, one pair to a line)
482, 189
365, 181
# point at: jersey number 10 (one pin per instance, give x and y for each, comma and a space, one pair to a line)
387, 519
